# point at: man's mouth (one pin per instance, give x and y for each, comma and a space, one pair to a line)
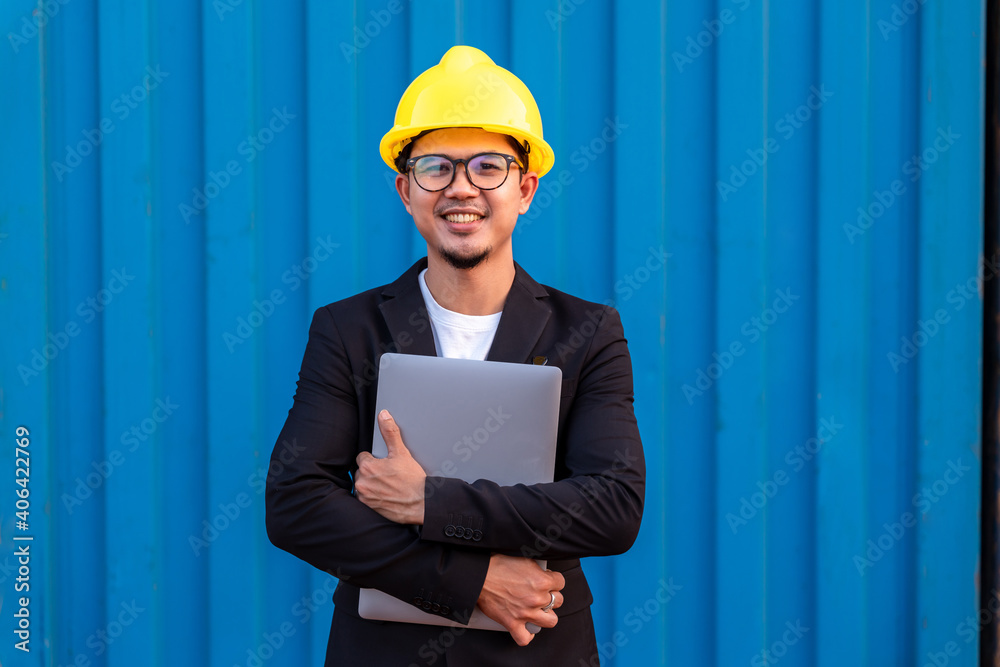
462, 217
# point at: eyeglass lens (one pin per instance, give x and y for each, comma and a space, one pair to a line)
435, 172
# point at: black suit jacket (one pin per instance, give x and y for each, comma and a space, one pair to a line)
592, 509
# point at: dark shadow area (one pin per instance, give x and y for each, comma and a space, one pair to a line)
989, 650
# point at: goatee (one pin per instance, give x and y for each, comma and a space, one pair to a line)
465, 262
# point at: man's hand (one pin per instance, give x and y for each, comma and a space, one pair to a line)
393, 486
514, 593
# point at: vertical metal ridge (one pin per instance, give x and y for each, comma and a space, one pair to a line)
155, 292
842, 334
949, 252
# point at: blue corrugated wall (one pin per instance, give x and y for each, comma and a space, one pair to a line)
182, 183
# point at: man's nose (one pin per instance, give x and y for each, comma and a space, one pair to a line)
461, 187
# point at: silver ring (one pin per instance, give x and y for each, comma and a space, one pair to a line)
548, 607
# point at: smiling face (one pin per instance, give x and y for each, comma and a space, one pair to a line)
463, 225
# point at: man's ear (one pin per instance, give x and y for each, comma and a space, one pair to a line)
529, 186
403, 188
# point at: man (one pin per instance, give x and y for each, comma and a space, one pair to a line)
464, 177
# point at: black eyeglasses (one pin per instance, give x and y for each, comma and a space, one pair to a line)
486, 171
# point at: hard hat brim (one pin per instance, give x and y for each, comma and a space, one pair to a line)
540, 156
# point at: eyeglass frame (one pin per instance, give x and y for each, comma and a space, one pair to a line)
465, 163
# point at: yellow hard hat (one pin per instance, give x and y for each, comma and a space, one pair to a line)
467, 89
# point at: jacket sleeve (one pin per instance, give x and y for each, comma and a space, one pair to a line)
595, 509
312, 514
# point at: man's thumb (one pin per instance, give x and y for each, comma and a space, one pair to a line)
390, 433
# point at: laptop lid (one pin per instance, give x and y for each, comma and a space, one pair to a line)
468, 420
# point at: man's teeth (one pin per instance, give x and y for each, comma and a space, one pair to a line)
462, 217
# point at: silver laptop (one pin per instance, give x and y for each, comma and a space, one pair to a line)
469, 420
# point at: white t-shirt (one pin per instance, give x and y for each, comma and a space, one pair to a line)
459, 336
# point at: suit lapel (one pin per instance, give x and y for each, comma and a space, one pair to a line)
406, 315
525, 315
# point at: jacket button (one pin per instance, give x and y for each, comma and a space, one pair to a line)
427, 605
446, 610
468, 533
418, 601
449, 530
435, 607
459, 531
477, 535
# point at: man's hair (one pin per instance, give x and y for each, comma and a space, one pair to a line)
519, 152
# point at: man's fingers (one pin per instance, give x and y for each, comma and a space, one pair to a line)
546, 619
521, 635
516, 593
361, 480
390, 433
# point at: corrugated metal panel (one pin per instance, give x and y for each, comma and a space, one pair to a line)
184, 183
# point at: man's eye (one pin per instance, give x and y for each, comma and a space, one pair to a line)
435, 168
490, 164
